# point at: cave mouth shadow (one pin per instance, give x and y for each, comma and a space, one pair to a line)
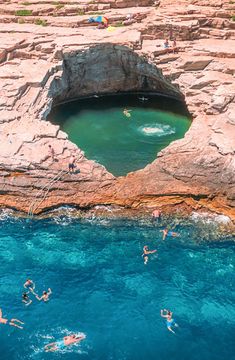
99, 127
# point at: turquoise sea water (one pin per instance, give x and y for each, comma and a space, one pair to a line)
122, 144
102, 288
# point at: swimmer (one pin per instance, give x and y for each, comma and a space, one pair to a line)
167, 233
146, 253
143, 98
156, 214
126, 112
67, 340
26, 300
45, 295
11, 322
169, 321
29, 284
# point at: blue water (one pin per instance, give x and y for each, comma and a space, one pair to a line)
102, 288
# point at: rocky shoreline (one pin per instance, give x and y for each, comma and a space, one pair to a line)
43, 65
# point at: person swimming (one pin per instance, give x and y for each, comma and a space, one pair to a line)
142, 98
67, 340
11, 322
45, 295
29, 284
146, 253
25, 299
126, 112
167, 233
167, 314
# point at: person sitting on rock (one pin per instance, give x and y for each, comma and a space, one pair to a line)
166, 44
174, 47
129, 20
102, 26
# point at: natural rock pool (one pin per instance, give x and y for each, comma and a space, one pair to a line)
102, 288
122, 142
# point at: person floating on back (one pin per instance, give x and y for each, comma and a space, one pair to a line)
167, 314
167, 233
11, 322
166, 44
67, 340
146, 253
45, 295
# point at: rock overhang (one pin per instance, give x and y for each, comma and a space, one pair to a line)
107, 68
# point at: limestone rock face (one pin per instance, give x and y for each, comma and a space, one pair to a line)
43, 65
109, 69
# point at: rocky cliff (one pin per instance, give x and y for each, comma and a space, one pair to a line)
43, 65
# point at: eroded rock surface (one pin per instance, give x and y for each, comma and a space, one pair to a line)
42, 65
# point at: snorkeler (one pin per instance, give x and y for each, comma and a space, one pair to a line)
167, 314
29, 284
45, 295
11, 322
126, 112
67, 340
167, 233
25, 299
146, 253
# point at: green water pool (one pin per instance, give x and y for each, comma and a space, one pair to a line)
122, 143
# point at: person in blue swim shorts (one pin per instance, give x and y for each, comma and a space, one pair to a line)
167, 314
167, 233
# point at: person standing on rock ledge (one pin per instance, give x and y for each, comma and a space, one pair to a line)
51, 152
156, 215
72, 164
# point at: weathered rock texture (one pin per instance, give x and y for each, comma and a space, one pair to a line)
42, 65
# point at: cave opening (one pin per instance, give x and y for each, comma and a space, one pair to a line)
125, 131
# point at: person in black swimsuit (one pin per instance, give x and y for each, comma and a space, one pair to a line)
25, 299
72, 164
